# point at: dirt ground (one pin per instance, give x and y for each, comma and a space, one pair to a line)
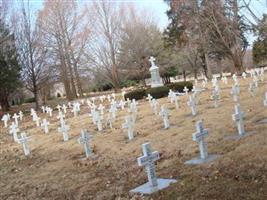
56, 170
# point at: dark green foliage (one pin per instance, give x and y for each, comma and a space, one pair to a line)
260, 45
128, 83
9, 67
158, 92
29, 100
136, 94
178, 87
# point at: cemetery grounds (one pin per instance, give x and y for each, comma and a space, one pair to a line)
56, 170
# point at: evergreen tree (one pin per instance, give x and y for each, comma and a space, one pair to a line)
260, 45
9, 67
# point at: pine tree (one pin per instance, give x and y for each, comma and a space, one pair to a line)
9, 67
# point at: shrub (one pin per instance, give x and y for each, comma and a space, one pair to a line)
180, 86
158, 92
29, 100
136, 94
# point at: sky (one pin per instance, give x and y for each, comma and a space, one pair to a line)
159, 8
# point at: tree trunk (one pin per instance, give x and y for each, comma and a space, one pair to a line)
78, 80
4, 101
36, 96
208, 67
184, 75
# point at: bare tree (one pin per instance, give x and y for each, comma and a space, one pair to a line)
104, 52
32, 56
65, 34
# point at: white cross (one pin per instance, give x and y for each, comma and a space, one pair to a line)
129, 124
20, 115
185, 90
64, 129
155, 106
113, 110
101, 109
5, 120
151, 60
85, 139
58, 108
45, 125
164, 113
75, 110
238, 117
43, 109
199, 137
64, 108
122, 104
98, 121
34, 116
192, 104
37, 121
61, 117
252, 89
265, 100
24, 141
15, 117
13, 129
235, 92
149, 97
148, 160
109, 121
49, 110
225, 80
215, 96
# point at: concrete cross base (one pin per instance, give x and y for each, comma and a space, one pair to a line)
146, 189
154, 85
198, 161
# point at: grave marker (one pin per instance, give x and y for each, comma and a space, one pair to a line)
5, 120
154, 184
199, 137
85, 139
15, 117
238, 117
45, 125
13, 129
24, 141
64, 129
164, 113
129, 124
192, 104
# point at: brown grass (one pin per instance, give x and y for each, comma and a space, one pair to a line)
55, 170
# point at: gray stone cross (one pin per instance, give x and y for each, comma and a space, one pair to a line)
148, 160
45, 125
5, 120
16, 117
192, 104
13, 129
215, 97
85, 139
235, 92
164, 113
265, 100
238, 117
129, 124
199, 137
24, 141
64, 129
